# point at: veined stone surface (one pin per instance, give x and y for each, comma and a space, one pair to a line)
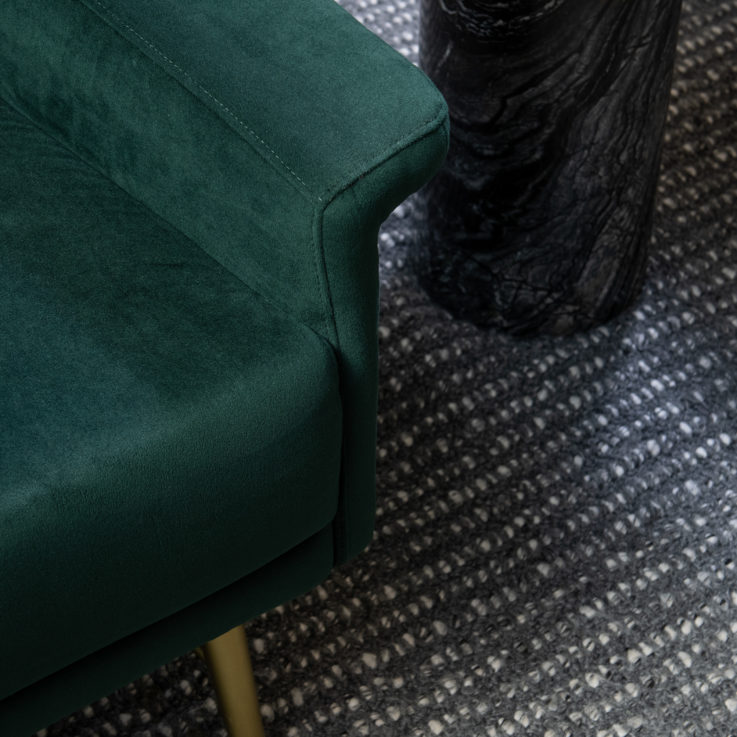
541, 217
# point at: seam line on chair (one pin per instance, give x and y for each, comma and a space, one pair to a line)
283, 308
423, 130
426, 129
241, 124
330, 193
319, 269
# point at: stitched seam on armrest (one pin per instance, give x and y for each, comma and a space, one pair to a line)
320, 270
199, 86
424, 129
330, 191
329, 194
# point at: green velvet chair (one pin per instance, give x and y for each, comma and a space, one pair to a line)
190, 196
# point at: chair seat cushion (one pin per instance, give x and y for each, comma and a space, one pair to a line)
164, 430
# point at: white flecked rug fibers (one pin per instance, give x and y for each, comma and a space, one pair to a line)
557, 528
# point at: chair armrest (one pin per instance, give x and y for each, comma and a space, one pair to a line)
235, 121
277, 135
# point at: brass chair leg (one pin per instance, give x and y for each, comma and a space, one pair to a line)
230, 669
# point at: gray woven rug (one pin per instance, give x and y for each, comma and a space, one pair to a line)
556, 546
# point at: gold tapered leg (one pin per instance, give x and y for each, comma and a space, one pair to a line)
230, 669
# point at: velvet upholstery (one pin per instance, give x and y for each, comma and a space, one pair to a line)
190, 195
138, 426
203, 115
97, 674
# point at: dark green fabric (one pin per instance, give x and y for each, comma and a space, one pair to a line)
98, 674
281, 73
185, 399
231, 117
165, 431
360, 209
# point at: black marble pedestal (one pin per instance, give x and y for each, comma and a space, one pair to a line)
541, 218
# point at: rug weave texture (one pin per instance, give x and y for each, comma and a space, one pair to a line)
556, 544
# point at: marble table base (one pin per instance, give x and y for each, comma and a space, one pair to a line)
541, 217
